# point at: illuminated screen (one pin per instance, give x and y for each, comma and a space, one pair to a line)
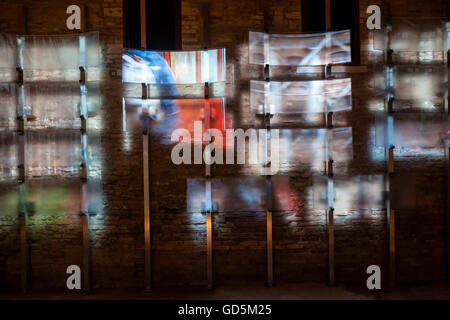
299, 49
173, 67
301, 96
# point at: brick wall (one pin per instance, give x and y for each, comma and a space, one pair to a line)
179, 238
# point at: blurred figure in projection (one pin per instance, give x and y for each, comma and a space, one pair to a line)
151, 68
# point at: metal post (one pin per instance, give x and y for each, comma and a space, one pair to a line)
86, 254
209, 249
24, 252
331, 266
269, 249
208, 190
147, 230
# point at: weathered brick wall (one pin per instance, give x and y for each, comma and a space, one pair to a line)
179, 238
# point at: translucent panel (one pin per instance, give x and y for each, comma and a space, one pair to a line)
50, 152
94, 196
181, 67
308, 146
239, 194
300, 147
300, 49
342, 144
90, 55
357, 192
196, 195
50, 103
9, 155
9, 58
412, 130
52, 198
52, 58
9, 199
301, 96
171, 114
93, 152
8, 103
411, 35
94, 98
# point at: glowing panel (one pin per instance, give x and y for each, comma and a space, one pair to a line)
54, 58
8, 103
90, 55
9, 155
301, 96
357, 192
173, 67
415, 88
9, 58
51, 152
410, 35
299, 49
300, 147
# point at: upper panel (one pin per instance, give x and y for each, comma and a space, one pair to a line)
173, 67
50, 58
412, 35
300, 49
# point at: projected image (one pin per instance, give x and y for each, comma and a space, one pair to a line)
167, 115
302, 96
173, 67
299, 49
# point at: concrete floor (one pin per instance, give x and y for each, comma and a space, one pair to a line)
311, 291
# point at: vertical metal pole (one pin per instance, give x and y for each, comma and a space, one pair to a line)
86, 254
268, 164
147, 230
209, 249
24, 252
208, 187
330, 183
269, 249
447, 209
389, 207
331, 265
